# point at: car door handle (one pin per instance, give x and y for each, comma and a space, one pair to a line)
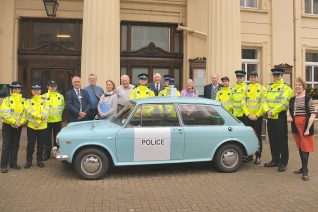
230, 129
180, 130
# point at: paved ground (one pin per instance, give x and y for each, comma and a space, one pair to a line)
185, 187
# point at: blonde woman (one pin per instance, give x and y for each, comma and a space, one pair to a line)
107, 105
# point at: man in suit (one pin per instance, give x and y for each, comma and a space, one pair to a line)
210, 90
156, 86
77, 102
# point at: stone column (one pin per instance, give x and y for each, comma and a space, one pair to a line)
101, 41
8, 53
224, 38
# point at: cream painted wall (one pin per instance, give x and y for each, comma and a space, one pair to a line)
7, 40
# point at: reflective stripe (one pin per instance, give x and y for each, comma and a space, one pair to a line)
253, 107
6, 111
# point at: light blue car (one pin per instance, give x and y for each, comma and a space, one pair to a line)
158, 130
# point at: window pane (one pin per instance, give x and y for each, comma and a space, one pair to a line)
307, 6
309, 85
242, 3
142, 35
251, 68
177, 42
311, 57
123, 70
308, 74
249, 54
251, 3
177, 78
243, 66
316, 73
315, 7
136, 72
200, 115
135, 120
124, 37
159, 115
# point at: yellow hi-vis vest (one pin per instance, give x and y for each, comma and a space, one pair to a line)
168, 90
254, 99
237, 97
12, 109
56, 106
224, 96
36, 108
277, 98
141, 91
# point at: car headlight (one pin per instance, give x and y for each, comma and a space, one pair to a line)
57, 140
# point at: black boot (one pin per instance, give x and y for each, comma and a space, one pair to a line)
28, 165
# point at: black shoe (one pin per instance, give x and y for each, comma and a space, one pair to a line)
299, 171
257, 160
4, 170
305, 177
248, 159
27, 165
15, 166
271, 164
282, 168
40, 164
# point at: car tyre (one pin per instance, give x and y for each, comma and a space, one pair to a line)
91, 163
228, 158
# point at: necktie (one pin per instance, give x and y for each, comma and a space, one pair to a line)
79, 98
157, 89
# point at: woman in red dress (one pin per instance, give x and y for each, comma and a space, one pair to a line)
302, 111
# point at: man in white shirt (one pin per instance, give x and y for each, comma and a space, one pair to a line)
124, 91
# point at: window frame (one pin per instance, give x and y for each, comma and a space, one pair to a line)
312, 66
311, 8
256, 61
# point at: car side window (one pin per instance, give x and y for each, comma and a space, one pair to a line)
155, 115
200, 115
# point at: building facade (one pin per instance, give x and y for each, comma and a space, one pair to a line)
184, 38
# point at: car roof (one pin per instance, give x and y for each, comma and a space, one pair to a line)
176, 100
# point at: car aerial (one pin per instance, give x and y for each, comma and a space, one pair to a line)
157, 130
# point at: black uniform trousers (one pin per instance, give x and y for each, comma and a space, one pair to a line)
38, 136
10, 145
257, 126
278, 139
52, 128
243, 119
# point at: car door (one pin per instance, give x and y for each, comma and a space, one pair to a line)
204, 130
152, 134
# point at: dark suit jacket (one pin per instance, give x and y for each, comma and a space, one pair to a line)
207, 90
73, 104
152, 87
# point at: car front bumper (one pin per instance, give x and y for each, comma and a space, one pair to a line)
57, 154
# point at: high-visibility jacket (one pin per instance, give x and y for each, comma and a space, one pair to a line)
12, 109
37, 109
168, 90
277, 98
141, 91
254, 99
56, 106
224, 96
237, 95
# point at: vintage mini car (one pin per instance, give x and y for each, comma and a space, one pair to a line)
158, 130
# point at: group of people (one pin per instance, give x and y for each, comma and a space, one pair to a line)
248, 102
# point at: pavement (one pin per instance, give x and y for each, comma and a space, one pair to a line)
181, 187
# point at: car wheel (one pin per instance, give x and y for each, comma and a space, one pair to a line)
91, 163
228, 158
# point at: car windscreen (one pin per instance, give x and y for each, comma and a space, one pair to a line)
121, 117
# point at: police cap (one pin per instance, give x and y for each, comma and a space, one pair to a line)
52, 83
15, 84
240, 73
277, 71
225, 78
167, 77
36, 86
143, 76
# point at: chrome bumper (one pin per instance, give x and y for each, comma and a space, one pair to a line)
57, 155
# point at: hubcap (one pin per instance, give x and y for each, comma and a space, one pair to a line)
91, 164
229, 158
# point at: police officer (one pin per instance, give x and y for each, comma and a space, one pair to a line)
275, 105
224, 94
37, 114
253, 110
238, 95
13, 117
170, 89
142, 91
54, 125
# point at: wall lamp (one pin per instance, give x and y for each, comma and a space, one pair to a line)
50, 7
